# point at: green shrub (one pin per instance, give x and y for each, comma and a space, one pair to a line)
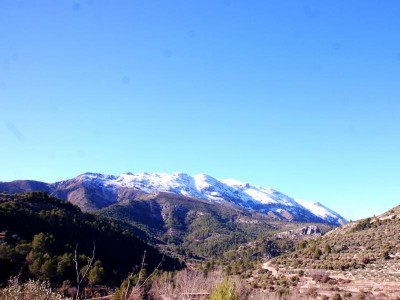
226, 290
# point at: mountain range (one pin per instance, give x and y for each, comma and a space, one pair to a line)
93, 191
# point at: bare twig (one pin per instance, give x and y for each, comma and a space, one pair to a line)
154, 271
80, 276
141, 269
140, 283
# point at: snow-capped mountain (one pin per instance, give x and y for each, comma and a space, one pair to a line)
321, 211
92, 191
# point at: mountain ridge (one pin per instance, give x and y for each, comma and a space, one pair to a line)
93, 191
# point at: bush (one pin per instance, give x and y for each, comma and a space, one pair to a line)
337, 297
226, 290
31, 290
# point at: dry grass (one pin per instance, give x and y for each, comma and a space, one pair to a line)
30, 290
187, 284
373, 283
360, 260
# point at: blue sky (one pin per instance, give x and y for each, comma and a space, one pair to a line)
301, 96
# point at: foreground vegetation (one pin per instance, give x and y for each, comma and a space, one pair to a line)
60, 252
185, 284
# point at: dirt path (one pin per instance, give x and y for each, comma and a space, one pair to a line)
267, 266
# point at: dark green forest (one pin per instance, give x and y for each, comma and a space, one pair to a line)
44, 236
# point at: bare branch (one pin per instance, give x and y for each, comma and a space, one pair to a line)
141, 268
136, 290
80, 276
154, 271
78, 273
90, 262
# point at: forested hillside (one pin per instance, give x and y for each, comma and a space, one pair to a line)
42, 234
198, 229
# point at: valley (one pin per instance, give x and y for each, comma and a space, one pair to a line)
270, 248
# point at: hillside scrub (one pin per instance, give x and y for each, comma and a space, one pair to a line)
30, 290
369, 241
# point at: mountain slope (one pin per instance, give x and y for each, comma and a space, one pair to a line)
195, 228
357, 245
92, 191
42, 233
359, 260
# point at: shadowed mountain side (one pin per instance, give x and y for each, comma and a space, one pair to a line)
42, 233
23, 186
192, 227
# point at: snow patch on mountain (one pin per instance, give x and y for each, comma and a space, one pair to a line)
319, 210
205, 187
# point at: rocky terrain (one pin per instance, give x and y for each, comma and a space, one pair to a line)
360, 260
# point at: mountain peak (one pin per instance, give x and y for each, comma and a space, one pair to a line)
206, 187
233, 182
109, 189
